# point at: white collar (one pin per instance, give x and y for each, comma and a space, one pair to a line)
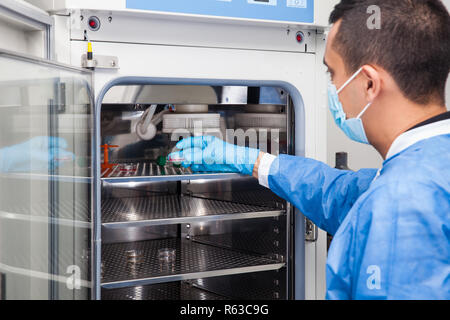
411, 137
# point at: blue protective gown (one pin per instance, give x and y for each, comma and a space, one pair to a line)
392, 234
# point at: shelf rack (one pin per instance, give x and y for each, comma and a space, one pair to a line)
149, 171
162, 291
175, 209
193, 261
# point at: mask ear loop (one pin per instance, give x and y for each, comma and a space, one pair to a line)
350, 80
364, 110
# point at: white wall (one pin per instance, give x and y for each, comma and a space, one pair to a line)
359, 155
447, 3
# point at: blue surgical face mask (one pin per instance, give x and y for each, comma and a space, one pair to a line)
353, 128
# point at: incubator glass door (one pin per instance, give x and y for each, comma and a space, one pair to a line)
45, 179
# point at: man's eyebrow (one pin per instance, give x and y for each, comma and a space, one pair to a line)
326, 64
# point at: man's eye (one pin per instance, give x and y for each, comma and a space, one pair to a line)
330, 74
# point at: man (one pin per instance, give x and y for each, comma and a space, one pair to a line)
391, 227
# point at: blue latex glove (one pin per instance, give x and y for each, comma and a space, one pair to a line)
210, 154
39, 154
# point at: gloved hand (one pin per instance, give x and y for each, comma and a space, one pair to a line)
36, 155
210, 154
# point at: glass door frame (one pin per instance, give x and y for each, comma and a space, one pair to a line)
52, 178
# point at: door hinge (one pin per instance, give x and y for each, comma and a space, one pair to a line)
311, 231
100, 62
61, 107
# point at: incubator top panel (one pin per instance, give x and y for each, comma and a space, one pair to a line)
301, 11
297, 12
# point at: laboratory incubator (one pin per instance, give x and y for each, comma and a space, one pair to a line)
122, 220
196, 234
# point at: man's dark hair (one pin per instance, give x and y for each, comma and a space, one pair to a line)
413, 43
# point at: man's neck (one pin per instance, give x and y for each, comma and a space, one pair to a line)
404, 117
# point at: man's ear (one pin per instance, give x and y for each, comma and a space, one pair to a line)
372, 82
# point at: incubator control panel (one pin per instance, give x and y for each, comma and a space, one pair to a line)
296, 11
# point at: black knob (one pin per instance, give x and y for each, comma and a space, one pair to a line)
342, 161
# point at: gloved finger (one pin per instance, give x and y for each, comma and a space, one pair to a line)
185, 165
60, 155
194, 142
203, 168
175, 156
56, 155
226, 169
48, 142
212, 168
57, 142
179, 157
192, 156
207, 168
197, 168
40, 156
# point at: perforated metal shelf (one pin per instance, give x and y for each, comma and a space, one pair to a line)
256, 286
254, 242
175, 209
260, 197
148, 171
193, 261
162, 291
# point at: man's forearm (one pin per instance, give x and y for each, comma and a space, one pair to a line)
256, 167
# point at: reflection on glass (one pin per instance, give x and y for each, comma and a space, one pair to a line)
45, 190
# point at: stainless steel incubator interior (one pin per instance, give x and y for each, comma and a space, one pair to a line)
170, 233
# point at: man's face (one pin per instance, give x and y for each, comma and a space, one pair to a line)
352, 97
